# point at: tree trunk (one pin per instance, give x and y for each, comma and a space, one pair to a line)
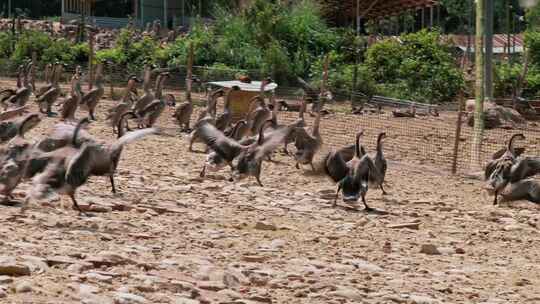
479, 87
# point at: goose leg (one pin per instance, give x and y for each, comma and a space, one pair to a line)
91, 114
337, 195
203, 171
312, 167
76, 205
495, 199
383, 192
50, 113
259, 180
367, 208
113, 188
297, 165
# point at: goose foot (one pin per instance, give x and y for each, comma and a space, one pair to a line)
383, 192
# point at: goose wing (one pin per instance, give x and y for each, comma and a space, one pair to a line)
303, 139
525, 167
80, 165
152, 107
226, 147
92, 95
48, 95
365, 169
335, 167
271, 141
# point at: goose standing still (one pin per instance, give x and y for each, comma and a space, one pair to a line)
91, 99
47, 99
353, 176
224, 119
71, 103
380, 163
207, 115
149, 115
124, 106
148, 96
19, 97
49, 78
308, 145
183, 113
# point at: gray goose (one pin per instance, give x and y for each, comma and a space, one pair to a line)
248, 159
351, 176
14, 157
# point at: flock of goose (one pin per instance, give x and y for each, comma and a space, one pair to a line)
66, 158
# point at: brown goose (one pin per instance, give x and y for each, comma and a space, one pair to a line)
380, 163
47, 99
148, 96
224, 119
91, 99
71, 103
49, 79
308, 145
149, 115
124, 106
19, 97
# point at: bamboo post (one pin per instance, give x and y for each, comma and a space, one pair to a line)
479, 87
189, 74
91, 60
461, 105
111, 81
33, 70
324, 83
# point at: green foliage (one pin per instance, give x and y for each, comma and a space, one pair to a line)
6, 39
506, 78
419, 67
48, 50
532, 42
131, 54
281, 41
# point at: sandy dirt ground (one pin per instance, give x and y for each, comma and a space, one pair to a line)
169, 236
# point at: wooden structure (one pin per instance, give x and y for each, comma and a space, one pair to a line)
171, 13
375, 9
240, 99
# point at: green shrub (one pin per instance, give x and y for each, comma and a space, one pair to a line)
418, 67
505, 78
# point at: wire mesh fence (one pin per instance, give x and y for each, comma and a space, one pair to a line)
426, 141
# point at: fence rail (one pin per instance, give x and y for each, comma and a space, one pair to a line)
426, 141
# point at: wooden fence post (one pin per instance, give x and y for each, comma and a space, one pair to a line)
33, 70
189, 74
461, 105
91, 60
